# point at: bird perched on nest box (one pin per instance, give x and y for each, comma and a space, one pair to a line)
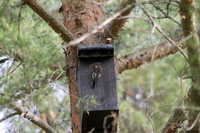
96, 73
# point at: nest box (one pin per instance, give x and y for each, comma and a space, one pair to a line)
103, 116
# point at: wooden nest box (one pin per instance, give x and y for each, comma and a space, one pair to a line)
100, 113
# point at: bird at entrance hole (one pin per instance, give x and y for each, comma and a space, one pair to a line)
97, 71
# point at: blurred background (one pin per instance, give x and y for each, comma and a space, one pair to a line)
32, 68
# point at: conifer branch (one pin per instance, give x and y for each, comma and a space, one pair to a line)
116, 25
147, 55
48, 17
32, 117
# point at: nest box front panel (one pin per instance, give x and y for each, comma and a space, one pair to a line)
100, 83
105, 87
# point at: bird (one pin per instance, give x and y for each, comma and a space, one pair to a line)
96, 73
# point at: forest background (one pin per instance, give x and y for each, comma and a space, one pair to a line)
33, 74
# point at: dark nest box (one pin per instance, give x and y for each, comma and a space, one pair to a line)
98, 118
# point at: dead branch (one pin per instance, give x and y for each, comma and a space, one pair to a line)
149, 119
166, 14
8, 116
176, 121
162, 33
32, 117
193, 124
145, 55
113, 28
55, 24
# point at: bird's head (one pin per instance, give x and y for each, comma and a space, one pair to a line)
96, 64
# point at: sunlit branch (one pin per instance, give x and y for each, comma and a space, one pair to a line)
32, 117
146, 55
48, 17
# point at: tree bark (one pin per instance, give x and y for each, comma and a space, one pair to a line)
80, 17
193, 50
176, 121
115, 26
71, 59
33, 118
146, 55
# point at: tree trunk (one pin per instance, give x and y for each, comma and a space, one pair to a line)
80, 17
193, 49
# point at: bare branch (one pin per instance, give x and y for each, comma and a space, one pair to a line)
113, 123
149, 119
176, 120
8, 116
165, 13
163, 34
32, 117
145, 56
4, 60
55, 24
150, 54
194, 123
114, 27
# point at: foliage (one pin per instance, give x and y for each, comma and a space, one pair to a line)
38, 63
34, 78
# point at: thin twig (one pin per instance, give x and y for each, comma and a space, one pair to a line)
15, 68
194, 123
151, 75
131, 16
92, 130
164, 35
113, 123
20, 17
166, 15
72, 95
8, 116
149, 119
95, 30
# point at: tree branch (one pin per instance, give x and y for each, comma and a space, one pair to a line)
113, 28
145, 55
32, 117
176, 120
55, 24
163, 34
8, 116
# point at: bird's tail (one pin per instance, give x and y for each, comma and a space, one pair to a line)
93, 85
